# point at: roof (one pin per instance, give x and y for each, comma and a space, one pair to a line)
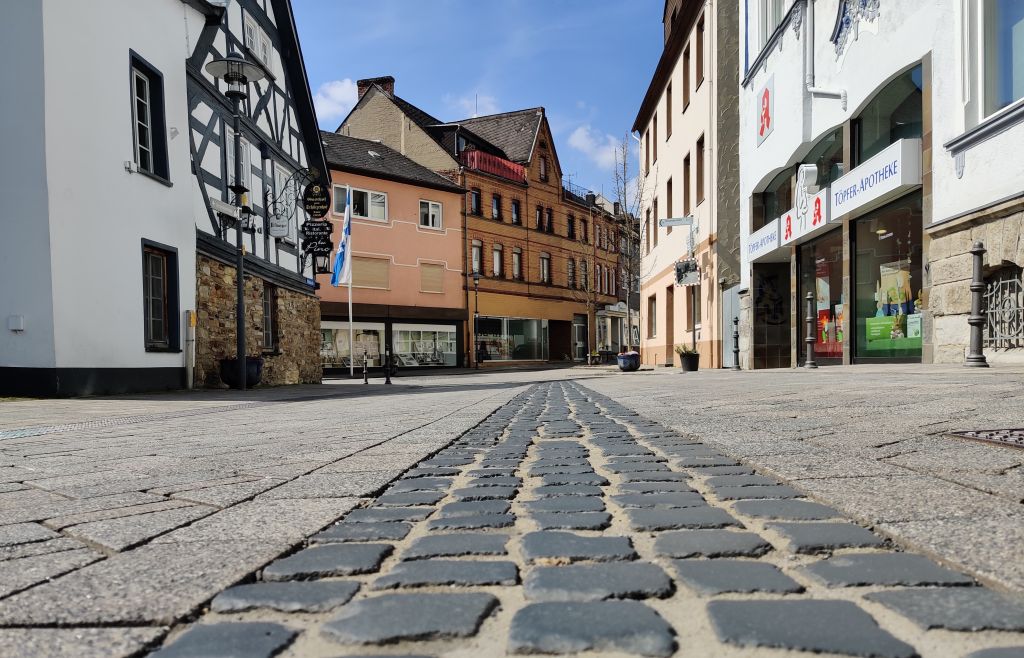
421, 118
669, 56
354, 155
513, 132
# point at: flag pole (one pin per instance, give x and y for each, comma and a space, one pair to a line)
351, 331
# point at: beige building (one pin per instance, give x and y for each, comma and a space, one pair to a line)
687, 126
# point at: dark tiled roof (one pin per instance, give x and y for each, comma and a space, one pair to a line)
421, 118
512, 132
351, 154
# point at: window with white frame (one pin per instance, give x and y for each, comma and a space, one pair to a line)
1002, 53
772, 13
256, 40
148, 132
517, 263
497, 262
229, 150
477, 254
366, 204
430, 214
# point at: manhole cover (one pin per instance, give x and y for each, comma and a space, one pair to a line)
1013, 438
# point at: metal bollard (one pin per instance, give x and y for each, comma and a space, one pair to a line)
387, 365
366, 378
976, 354
736, 343
811, 328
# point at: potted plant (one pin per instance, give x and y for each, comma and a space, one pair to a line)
689, 358
629, 361
253, 371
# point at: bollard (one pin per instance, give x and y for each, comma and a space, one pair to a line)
812, 322
736, 343
976, 354
387, 365
366, 378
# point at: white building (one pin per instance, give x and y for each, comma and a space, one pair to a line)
907, 118
112, 154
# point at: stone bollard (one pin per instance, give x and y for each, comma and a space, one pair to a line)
366, 378
387, 365
812, 322
975, 354
735, 343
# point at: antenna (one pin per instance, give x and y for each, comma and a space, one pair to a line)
476, 105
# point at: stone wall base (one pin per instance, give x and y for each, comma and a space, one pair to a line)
296, 357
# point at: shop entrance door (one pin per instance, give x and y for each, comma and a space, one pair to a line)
579, 337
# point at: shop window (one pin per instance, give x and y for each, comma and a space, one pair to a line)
269, 318
652, 316
1004, 308
512, 339
431, 277
888, 303
894, 113
424, 345
1003, 53
160, 297
335, 351
820, 264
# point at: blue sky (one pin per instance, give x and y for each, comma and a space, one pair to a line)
588, 62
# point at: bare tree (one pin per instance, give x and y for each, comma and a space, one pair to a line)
583, 259
631, 193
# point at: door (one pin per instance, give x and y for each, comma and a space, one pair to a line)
579, 337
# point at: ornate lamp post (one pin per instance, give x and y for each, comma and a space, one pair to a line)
237, 74
476, 319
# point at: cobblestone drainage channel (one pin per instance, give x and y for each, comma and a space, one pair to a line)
1013, 438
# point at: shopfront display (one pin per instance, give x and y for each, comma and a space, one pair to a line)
821, 273
512, 339
888, 274
424, 345
334, 344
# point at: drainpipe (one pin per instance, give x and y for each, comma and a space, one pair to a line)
816, 92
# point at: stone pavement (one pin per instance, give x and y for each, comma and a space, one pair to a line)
568, 524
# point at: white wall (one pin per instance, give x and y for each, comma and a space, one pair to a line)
24, 231
98, 212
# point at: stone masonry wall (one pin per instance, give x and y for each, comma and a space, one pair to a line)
297, 359
950, 272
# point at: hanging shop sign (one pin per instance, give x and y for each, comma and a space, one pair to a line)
317, 237
316, 199
887, 175
765, 110
278, 225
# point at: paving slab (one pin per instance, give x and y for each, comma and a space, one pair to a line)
328, 560
815, 626
127, 531
593, 582
710, 543
229, 640
390, 618
711, 577
312, 596
20, 533
438, 573
882, 569
572, 627
20, 573
960, 609
113, 642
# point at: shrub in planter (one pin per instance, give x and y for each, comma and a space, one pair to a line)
689, 358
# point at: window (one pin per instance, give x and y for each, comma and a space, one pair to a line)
647, 152
549, 221
570, 273
597, 278
776, 199
365, 204
496, 206
654, 126
772, 13
256, 40
1003, 53
612, 281
652, 316
540, 218
543, 168
668, 111
583, 231
160, 297
430, 214
655, 229
431, 277
700, 51
647, 231
516, 219
497, 262
478, 254
686, 77
474, 201
284, 189
229, 160
583, 275
686, 185
517, 263
570, 231
269, 318
668, 202
149, 135
545, 268
597, 236
696, 307
894, 113
370, 272
699, 182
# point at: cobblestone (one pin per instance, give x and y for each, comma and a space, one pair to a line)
315, 596
456, 545
795, 510
328, 560
570, 627
552, 545
821, 537
955, 609
722, 576
883, 569
229, 640
691, 517
589, 582
572, 520
436, 573
363, 531
389, 618
710, 543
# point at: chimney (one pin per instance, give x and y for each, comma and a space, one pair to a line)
387, 83
618, 208
591, 199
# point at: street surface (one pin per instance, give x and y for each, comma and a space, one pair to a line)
572, 512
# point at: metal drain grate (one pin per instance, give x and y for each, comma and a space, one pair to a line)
1012, 438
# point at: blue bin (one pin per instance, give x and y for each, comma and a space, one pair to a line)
629, 361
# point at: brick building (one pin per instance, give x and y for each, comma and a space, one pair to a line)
546, 254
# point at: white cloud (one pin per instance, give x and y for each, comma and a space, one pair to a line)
472, 105
599, 147
334, 99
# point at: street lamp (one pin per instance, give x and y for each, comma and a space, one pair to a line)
237, 73
321, 263
476, 319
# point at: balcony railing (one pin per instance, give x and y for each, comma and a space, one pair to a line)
492, 164
575, 192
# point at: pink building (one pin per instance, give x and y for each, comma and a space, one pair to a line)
408, 286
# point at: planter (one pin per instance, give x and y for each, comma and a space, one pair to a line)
689, 362
629, 362
253, 371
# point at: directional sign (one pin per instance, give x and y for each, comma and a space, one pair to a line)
223, 208
676, 221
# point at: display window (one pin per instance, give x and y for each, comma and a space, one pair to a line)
512, 339
888, 282
424, 345
334, 344
821, 273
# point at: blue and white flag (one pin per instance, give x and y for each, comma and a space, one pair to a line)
342, 273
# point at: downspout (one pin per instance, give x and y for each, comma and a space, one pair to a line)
635, 259
816, 92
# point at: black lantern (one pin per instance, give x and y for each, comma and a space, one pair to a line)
236, 72
322, 263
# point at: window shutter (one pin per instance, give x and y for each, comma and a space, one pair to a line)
370, 272
431, 277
